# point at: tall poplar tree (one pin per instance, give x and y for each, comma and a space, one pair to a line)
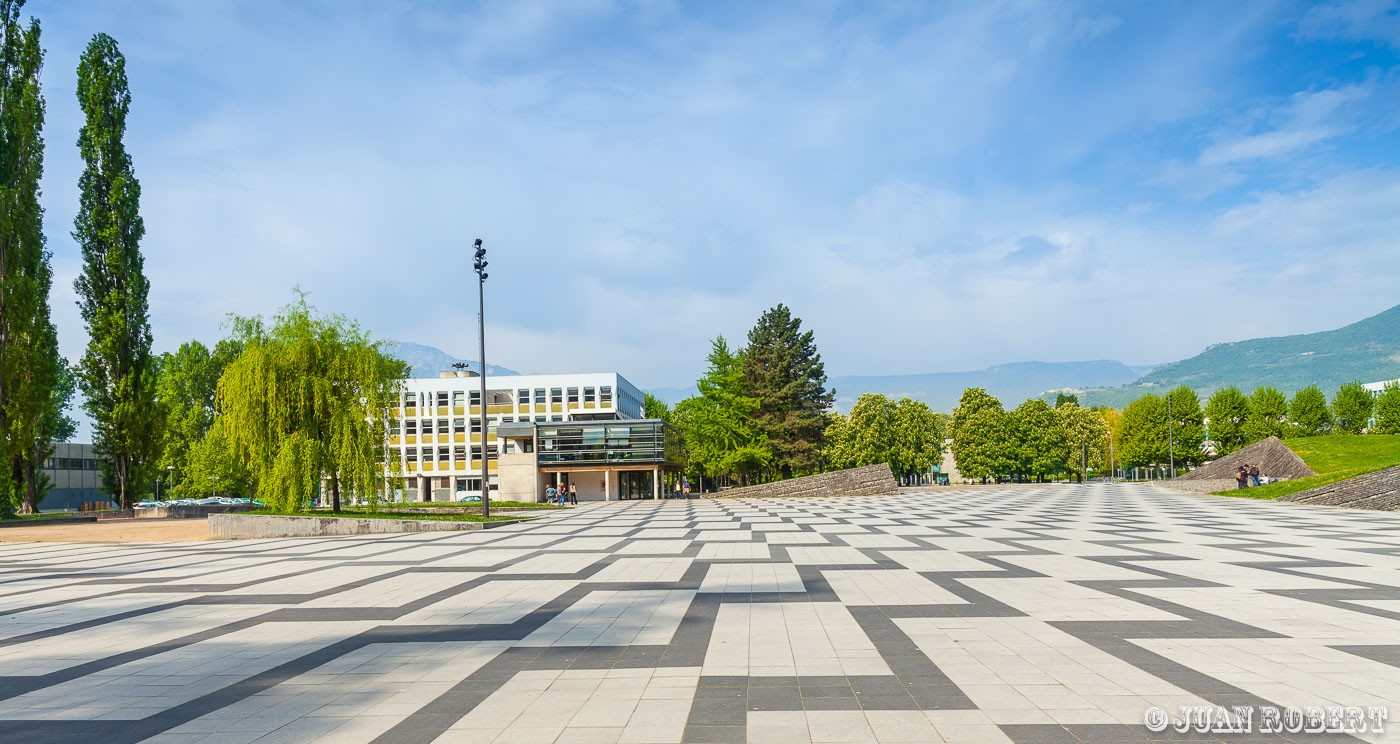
784, 371
116, 374
30, 367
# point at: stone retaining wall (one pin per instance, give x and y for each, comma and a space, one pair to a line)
173, 512
1379, 490
869, 480
248, 526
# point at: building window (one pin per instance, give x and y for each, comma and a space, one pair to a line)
410, 427
410, 400
442, 426
507, 419
522, 397
459, 426
605, 395
427, 427
573, 396
476, 426
539, 396
442, 397
459, 453
393, 427
556, 396
540, 419
557, 419
442, 455
475, 397
490, 452
411, 454
590, 395
457, 398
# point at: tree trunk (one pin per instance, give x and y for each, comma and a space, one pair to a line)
16, 482
335, 493
31, 486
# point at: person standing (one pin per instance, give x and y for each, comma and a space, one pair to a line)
1241, 475
1254, 475
573, 494
549, 494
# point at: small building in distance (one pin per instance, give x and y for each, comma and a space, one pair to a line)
76, 474
580, 429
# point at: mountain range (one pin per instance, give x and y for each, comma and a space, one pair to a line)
428, 361
1367, 350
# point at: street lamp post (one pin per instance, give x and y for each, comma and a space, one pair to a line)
479, 264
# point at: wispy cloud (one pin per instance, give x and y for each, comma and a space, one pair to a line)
930, 187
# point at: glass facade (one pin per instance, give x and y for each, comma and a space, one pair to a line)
639, 442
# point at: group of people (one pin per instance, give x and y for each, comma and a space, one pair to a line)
1248, 475
560, 495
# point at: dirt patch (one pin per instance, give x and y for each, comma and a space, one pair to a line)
113, 530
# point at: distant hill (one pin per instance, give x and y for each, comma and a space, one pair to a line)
1367, 350
1012, 383
428, 361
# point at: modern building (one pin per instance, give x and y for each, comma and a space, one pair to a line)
581, 429
76, 474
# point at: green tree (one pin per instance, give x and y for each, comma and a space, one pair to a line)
1142, 434
1351, 408
982, 446
1039, 439
722, 438
785, 373
1308, 412
116, 373
213, 466
1062, 399
1268, 414
1188, 434
1388, 409
1226, 413
1086, 438
919, 436
865, 436
655, 408
30, 368
307, 402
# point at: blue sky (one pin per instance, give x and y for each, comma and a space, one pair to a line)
930, 186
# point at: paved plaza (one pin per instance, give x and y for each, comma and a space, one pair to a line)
1049, 614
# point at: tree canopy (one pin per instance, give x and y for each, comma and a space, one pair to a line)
306, 401
1351, 408
1226, 412
784, 372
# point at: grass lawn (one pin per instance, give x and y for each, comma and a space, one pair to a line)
361, 512
1335, 457
48, 515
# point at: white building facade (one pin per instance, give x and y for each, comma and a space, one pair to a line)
436, 436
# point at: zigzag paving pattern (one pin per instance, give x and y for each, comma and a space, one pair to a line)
1055, 614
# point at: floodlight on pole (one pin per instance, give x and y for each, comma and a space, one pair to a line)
479, 264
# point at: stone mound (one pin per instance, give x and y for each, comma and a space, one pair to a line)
866, 481
1379, 490
1271, 456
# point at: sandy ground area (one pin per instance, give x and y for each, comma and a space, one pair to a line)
115, 530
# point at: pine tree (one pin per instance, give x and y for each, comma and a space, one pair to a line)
116, 374
30, 367
1309, 413
784, 371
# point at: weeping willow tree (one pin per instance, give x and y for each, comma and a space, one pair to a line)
304, 407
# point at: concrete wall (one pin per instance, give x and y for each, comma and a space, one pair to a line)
519, 478
251, 526
871, 479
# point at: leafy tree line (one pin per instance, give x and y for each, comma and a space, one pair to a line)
1032, 441
906, 433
